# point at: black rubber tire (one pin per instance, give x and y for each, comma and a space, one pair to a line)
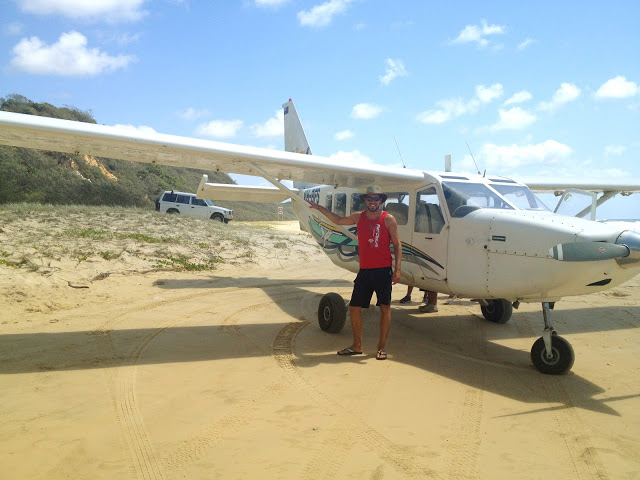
217, 217
171, 211
562, 360
332, 313
498, 311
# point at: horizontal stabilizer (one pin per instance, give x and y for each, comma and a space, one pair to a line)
237, 193
588, 251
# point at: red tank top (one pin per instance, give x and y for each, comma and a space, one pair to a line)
374, 242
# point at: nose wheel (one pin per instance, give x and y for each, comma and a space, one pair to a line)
551, 353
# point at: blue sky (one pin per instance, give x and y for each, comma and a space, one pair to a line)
534, 88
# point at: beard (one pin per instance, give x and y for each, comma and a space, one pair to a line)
374, 208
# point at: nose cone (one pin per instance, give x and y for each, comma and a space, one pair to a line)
632, 241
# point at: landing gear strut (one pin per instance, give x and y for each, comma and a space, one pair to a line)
551, 353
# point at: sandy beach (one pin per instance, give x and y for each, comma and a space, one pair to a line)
113, 369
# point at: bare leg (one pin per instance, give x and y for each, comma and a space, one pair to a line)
433, 298
356, 327
385, 325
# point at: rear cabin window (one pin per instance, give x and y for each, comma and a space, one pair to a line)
341, 204
357, 205
429, 217
329, 202
183, 199
397, 204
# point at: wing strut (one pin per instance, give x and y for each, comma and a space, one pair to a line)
298, 199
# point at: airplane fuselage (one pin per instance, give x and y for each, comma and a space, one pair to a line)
475, 237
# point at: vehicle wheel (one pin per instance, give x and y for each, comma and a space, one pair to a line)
562, 356
171, 211
217, 217
332, 313
498, 311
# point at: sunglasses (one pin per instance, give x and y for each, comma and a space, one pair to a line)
376, 198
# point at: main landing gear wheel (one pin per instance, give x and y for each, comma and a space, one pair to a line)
551, 354
497, 311
559, 362
332, 313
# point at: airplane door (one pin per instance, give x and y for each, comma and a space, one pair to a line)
430, 235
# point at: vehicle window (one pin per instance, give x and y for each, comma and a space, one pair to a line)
169, 197
463, 198
183, 199
357, 205
520, 197
429, 217
397, 204
209, 202
198, 202
341, 204
329, 202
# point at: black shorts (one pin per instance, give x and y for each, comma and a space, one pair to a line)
371, 280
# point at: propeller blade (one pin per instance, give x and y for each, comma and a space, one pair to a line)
588, 251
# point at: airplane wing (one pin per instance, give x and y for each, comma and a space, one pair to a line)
52, 134
593, 185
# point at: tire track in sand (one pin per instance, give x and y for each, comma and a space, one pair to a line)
335, 450
574, 433
121, 379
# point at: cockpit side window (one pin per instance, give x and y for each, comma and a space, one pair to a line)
463, 198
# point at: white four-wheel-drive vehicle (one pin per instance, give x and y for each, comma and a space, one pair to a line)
187, 204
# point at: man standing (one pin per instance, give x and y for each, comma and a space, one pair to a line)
377, 230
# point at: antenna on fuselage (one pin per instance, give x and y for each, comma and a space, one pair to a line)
474, 160
399, 152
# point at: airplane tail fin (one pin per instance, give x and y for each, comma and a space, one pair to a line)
294, 138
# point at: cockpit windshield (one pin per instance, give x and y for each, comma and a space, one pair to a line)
521, 197
463, 198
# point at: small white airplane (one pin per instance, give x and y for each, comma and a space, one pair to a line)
486, 238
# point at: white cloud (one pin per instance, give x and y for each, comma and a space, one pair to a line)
343, 135
565, 94
354, 158
488, 94
519, 97
104, 10
193, 113
455, 107
513, 119
618, 87
477, 34
274, 127
270, 3
219, 128
395, 68
69, 56
525, 44
322, 15
504, 157
614, 150
365, 111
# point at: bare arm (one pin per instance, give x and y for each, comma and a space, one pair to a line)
392, 226
337, 219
